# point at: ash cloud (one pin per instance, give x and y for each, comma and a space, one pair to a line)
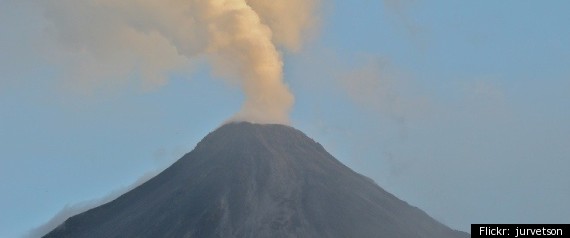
379, 87
106, 43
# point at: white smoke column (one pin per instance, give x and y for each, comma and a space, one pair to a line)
239, 37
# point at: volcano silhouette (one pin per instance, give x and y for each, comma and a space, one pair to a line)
252, 180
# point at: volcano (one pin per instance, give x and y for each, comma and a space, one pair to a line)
253, 180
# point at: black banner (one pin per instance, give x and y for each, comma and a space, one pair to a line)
520, 230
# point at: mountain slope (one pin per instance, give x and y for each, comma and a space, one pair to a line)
250, 180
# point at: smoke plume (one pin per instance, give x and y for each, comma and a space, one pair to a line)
108, 40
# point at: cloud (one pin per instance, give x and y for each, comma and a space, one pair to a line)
401, 11
290, 20
380, 88
104, 42
96, 48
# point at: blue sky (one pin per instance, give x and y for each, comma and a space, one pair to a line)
459, 108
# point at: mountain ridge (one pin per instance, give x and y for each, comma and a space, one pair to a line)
255, 180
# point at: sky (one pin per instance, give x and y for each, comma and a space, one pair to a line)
460, 108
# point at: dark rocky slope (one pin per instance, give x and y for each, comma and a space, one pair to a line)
250, 180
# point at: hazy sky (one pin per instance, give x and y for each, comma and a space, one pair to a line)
460, 108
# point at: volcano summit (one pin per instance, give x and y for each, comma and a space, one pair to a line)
252, 180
